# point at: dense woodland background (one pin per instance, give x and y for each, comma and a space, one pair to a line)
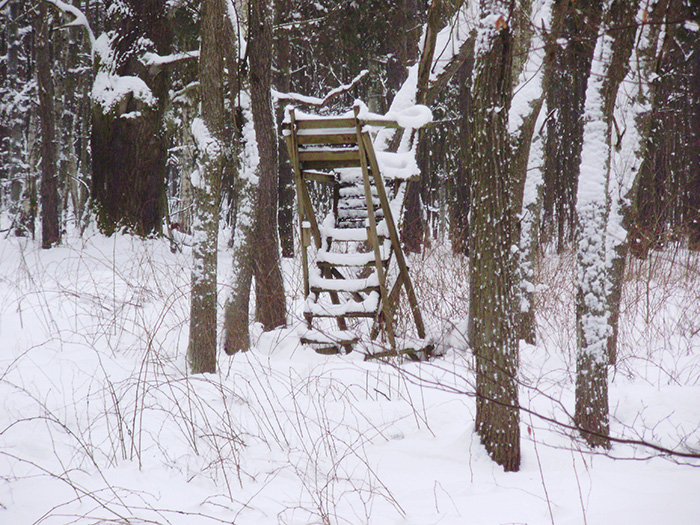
133, 172
559, 126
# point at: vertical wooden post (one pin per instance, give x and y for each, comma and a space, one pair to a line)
393, 235
379, 265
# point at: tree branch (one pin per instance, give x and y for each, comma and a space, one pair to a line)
466, 53
573, 426
316, 101
79, 20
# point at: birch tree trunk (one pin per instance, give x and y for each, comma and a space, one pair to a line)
492, 305
208, 133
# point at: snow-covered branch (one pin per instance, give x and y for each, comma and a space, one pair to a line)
156, 60
316, 101
79, 20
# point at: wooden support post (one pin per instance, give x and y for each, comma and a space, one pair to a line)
394, 235
379, 265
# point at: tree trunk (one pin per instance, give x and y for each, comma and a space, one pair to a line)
566, 90
595, 203
460, 201
283, 84
50, 224
492, 305
236, 315
129, 144
208, 133
413, 229
622, 14
17, 111
693, 184
270, 302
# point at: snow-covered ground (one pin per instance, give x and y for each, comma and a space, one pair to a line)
100, 422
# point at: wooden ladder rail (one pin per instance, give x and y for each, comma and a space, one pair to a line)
404, 277
373, 237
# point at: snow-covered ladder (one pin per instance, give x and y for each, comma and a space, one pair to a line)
338, 152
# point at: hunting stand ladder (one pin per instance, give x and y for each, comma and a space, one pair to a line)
358, 239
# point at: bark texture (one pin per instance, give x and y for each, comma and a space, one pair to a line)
236, 315
413, 230
460, 201
283, 83
621, 15
595, 202
568, 71
209, 131
50, 223
270, 303
492, 305
16, 129
667, 206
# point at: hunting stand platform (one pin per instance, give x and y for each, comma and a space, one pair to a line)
357, 247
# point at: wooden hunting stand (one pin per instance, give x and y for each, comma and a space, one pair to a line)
358, 239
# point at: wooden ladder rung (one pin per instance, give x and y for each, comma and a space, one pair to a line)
329, 155
318, 176
348, 259
320, 313
327, 138
342, 337
326, 123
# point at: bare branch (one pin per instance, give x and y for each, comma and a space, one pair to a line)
573, 426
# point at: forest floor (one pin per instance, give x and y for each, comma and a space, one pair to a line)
100, 422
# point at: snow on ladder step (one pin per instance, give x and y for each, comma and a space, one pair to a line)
366, 308
345, 234
356, 191
327, 337
318, 284
349, 259
359, 234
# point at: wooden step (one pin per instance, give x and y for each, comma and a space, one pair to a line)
318, 176
357, 202
328, 158
357, 234
365, 308
319, 284
355, 190
329, 342
325, 123
349, 259
342, 337
327, 136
